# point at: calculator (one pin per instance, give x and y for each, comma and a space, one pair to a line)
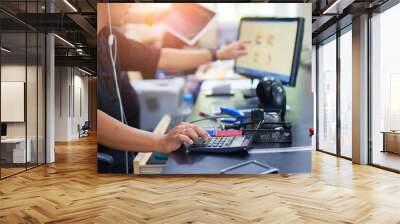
222, 144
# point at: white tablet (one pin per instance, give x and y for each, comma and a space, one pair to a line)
187, 21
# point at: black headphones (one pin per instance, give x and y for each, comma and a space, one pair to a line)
272, 95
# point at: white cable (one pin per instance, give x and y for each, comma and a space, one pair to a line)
113, 41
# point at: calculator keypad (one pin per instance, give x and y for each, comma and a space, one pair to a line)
221, 144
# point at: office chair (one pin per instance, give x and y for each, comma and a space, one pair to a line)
84, 129
105, 163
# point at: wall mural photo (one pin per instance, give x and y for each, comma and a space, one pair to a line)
204, 88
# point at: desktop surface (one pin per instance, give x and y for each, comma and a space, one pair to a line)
292, 157
286, 162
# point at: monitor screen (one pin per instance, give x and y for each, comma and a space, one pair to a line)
274, 49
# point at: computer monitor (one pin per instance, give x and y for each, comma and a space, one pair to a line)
274, 50
3, 129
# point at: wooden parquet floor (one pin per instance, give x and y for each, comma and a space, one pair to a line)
70, 191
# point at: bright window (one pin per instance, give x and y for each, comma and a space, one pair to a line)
346, 94
385, 84
327, 97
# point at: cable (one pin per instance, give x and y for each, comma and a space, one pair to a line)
213, 117
113, 41
259, 124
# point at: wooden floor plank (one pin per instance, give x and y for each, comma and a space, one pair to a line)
71, 191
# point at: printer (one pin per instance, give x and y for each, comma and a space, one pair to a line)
157, 98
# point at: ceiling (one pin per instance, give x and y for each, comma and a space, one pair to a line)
75, 21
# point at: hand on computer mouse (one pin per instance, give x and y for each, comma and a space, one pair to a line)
183, 133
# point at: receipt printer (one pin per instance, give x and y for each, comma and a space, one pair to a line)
157, 98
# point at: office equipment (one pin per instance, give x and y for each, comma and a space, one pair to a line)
252, 166
221, 90
271, 133
13, 99
3, 130
236, 115
158, 97
274, 50
222, 144
272, 95
293, 157
188, 21
268, 127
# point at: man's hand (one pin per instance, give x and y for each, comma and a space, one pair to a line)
183, 133
233, 50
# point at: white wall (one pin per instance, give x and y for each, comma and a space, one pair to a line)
33, 126
80, 84
71, 93
12, 73
62, 81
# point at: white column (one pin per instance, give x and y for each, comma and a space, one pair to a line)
360, 90
50, 100
50, 92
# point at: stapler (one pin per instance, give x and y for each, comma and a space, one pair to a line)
237, 116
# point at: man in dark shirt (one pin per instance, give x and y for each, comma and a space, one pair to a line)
113, 136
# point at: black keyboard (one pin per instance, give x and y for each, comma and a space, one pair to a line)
222, 144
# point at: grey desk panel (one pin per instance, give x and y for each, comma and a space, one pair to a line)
202, 163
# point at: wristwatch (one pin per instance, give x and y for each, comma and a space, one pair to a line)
213, 53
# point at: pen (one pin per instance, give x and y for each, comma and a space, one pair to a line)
211, 117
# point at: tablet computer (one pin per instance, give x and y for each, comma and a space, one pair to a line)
250, 167
187, 21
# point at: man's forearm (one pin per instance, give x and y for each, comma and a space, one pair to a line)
181, 60
114, 134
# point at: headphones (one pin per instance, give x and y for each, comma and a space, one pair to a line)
113, 57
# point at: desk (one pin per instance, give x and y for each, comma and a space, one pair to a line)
391, 141
288, 158
16, 154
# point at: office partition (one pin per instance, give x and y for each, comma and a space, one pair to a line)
23, 87
334, 93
